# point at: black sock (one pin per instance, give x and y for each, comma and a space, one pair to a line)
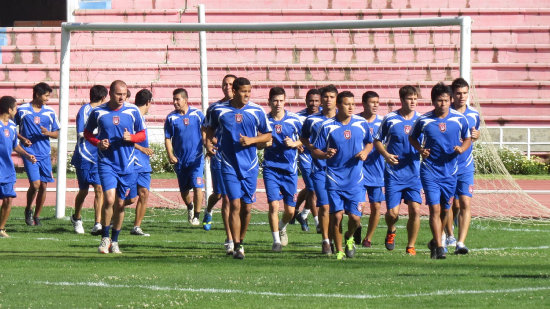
197, 214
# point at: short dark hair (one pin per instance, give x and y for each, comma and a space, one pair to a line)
115, 83
98, 93
181, 91
329, 88
369, 95
240, 81
459, 83
406, 91
276, 91
6, 102
439, 89
41, 89
143, 97
313, 91
342, 95
228, 76
128, 94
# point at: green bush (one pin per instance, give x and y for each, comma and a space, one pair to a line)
515, 162
159, 160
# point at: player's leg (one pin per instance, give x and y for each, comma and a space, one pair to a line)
198, 195
4, 215
319, 182
33, 174
83, 187
273, 218
335, 222
413, 226
141, 208
125, 182
98, 206
432, 191
107, 214
353, 206
185, 185
449, 235
288, 185
391, 217
464, 191
273, 193
217, 194
40, 199
229, 243
376, 196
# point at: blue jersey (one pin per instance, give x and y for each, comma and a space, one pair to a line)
344, 170
85, 154
215, 161
441, 135
250, 120
8, 142
466, 159
279, 156
185, 132
394, 133
29, 123
304, 159
373, 167
143, 161
111, 125
310, 130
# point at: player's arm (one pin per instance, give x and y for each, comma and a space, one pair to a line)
25, 141
363, 154
389, 157
466, 143
145, 150
134, 138
20, 151
290, 143
249, 141
210, 141
475, 134
51, 134
423, 151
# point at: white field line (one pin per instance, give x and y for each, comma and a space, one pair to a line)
278, 294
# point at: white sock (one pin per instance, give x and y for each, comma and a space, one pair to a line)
276, 238
316, 218
326, 240
282, 225
460, 244
304, 213
208, 212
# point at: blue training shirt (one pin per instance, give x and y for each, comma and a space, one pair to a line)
143, 161
85, 154
250, 120
466, 159
441, 135
8, 142
304, 158
344, 170
29, 123
394, 133
185, 132
373, 167
310, 131
279, 156
215, 160
111, 125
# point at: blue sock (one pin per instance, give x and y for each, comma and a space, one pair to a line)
114, 237
106, 230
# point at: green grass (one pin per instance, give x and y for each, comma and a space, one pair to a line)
179, 266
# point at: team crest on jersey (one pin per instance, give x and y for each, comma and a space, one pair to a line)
116, 120
443, 127
407, 129
199, 181
186, 121
37, 119
238, 118
371, 130
7, 132
347, 134
278, 128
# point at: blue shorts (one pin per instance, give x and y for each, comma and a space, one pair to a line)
143, 181
87, 177
41, 170
217, 182
320, 184
464, 185
351, 201
281, 186
409, 192
306, 176
376, 194
438, 190
111, 179
6, 190
191, 177
238, 188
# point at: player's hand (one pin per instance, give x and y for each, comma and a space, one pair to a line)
289, 142
392, 159
301, 149
172, 159
475, 134
211, 149
214, 140
362, 155
104, 144
127, 137
330, 152
458, 149
148, 151
269, 143
26, 142
245, 140
424, 152
44, 131
32, 158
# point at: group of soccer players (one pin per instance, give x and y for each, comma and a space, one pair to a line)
343, 157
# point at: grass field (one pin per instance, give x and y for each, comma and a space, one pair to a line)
181, 266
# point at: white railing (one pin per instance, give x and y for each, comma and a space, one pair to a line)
526, 144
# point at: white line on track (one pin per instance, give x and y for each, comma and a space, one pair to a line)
346, 296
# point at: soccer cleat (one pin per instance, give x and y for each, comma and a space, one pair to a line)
239, 253
3, 234
136, 230
450, 241
340, 255
357, 236
440, 253
366, 243
303, 223
114, 248
229, 247
350, 247
195, 222
105, 245
190, 215
410, 251
390, 240
37, 221
284, 237
77, 225
28, 217
325, 248
318, 228
461, 250
276, 247
207, 221
97, 229
432, 246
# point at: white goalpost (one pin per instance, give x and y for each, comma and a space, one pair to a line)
202, 28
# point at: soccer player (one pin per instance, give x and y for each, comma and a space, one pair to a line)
344, 142
85, 161
183, 142
373, 168
120, 126
143, 101
309, 134
8, 143
446, 135
37, 124
313, 102
280, 166
243, 125
465, 176
401, 173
